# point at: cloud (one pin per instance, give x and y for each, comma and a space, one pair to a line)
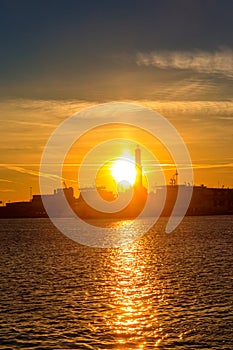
211, 166
7, 190
217, 62
33, 172
4, 180
36, 173
208, 111
59, 108
30, 123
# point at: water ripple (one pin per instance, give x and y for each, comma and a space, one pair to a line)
165, 291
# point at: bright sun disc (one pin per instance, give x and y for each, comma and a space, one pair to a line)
123, 171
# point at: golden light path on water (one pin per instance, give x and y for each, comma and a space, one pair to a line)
161, 292
134, 300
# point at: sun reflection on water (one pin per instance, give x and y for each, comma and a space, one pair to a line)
133, 317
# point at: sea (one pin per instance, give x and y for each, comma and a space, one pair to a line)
163, 291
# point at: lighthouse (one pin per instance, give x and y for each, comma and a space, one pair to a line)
138, 167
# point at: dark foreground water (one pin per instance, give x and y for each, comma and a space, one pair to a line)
165, 291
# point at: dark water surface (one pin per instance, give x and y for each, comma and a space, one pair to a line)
165, 291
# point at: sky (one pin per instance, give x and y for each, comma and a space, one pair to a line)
58, 57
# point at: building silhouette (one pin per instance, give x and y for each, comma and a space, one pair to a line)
205, 201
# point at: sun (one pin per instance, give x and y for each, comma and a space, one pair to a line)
123, 171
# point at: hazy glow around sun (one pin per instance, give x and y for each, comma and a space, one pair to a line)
123, 170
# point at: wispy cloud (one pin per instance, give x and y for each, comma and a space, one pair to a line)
36, 173
210, 166
33, 172
217, 62
30, 123
4, 180
47, 109
7, 190
218, 109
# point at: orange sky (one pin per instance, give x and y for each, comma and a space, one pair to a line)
27, 124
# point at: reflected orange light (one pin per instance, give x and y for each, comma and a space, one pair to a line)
134, 316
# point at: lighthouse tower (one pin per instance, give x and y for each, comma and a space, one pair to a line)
138, 166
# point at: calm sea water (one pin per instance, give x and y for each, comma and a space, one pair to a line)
164, 291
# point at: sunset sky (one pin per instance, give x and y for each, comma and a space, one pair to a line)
58, 57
